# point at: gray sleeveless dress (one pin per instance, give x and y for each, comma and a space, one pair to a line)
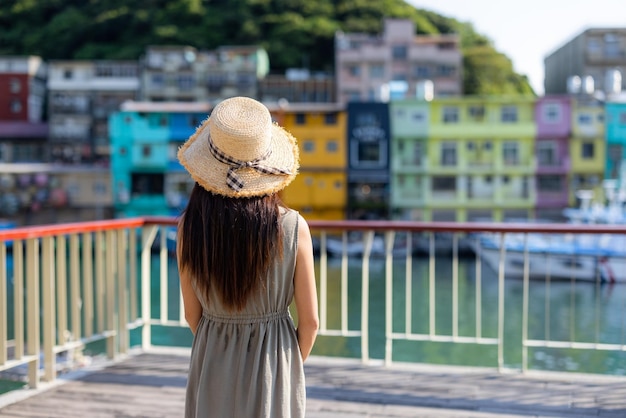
248, 363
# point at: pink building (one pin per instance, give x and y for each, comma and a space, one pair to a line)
397, 64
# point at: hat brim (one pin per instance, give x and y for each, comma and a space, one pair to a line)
195, 155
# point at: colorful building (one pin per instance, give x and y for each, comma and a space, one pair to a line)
368, 137
409, 192
587, 147
146, 175
615, 139
553, 116
319, 191
480, 158
368, 66
23, 130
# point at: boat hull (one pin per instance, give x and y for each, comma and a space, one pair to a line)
557, 266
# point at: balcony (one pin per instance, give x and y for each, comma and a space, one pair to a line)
390, 293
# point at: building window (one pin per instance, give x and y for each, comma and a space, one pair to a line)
448, 154
593, 46
308, 146
546, 154
477, 112
369, 152
444, 183
147, 183
418, 116
587, 150
377, 71
331, 146
353, 95
551, 113
549, 183
611, 46
14, 85
418, 153
300, 118
508, 114
399, 52
622, 118
157, 81
450, 114
510, 153
585, 119
16, 106
67, 74
422, 71
354, 70
445, 70
186, 82
330, 118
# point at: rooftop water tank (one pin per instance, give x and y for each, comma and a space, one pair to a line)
573, 84
425, 90
588, 85
613, 82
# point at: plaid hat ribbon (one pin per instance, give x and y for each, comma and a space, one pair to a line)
232, 178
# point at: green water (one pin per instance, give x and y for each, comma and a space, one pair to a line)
562, 310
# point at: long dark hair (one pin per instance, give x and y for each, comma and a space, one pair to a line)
229, 244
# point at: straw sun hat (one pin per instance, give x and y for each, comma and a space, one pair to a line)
239, 152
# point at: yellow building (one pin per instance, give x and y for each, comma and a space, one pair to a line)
587, 148
319, 191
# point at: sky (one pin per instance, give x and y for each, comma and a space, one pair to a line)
529, 30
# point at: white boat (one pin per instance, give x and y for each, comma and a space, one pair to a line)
582, 257
591, 257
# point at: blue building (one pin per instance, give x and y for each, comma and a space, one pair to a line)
145, 137
615, 138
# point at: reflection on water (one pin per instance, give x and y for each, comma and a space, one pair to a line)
558, 310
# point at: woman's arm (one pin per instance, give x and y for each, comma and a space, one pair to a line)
193, 308
305, 293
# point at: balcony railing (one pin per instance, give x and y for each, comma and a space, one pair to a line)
63, 287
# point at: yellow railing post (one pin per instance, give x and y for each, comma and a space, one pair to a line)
32, 309
48, 308
147, 238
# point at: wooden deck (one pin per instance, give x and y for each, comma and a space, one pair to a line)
152, 384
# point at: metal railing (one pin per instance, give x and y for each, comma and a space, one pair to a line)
65, 286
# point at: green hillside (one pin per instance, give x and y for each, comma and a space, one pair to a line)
296, 33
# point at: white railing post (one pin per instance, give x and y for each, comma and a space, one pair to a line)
61, 269
110, 292
501, 266
87, 281
365, 295
122, 292
32, 310
148, 234
18, 297
163, 288
48, 308
100, 254
525, 306
76, 296
389, 238
323, 282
